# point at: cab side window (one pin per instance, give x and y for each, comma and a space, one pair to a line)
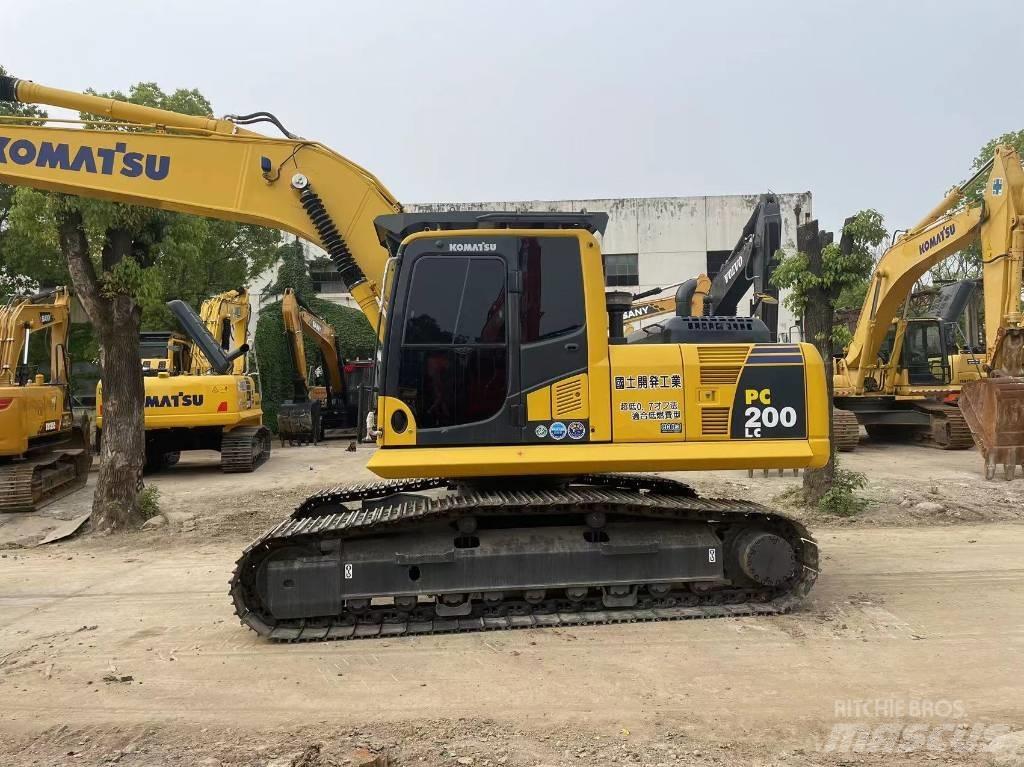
552, 298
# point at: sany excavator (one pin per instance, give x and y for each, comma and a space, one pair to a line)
44, 453
314, 409
198, 393
897, 372
507, 402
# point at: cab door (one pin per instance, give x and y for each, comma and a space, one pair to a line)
451, 357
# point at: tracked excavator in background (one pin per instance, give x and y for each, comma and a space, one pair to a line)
313, 410
44, 452
198, 395
509, 404
901, 375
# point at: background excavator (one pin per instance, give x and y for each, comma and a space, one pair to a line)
198, 393
899, 374
44, 453
508, 403
335, 405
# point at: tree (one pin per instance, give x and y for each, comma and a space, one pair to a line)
816, 276
966, 265
124, 262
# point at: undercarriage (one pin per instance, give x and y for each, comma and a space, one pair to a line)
423, 556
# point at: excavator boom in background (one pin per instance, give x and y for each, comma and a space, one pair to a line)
44, 453
508, 402
337, 405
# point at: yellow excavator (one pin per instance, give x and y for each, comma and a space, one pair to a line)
198, 395
509, 402
315, 409
44, 453
900, 374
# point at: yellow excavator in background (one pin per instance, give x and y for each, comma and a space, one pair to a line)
44, 453
508, 401
898, 372
314, 409
198, 395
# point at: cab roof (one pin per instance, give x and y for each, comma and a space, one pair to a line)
392, 229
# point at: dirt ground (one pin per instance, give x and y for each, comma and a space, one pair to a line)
124, 650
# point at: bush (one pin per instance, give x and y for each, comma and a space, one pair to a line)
842, 500
355, 338
149, 501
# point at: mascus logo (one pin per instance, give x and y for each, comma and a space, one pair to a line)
181, 399
85, 159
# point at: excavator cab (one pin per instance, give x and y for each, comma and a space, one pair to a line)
926, 353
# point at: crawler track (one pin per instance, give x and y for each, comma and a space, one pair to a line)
327, 520
244, 449
31, 484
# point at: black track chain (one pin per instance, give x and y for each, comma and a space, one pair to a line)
323, 515
21, 484
236, 449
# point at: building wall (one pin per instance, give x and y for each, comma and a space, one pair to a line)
670, 235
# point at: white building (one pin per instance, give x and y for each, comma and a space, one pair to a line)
650, 241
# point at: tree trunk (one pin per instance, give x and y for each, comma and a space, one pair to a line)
117, 321
819, 317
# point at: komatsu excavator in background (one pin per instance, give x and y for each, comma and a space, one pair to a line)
44, 453
198, 393
898, 372
313, 410
508, 401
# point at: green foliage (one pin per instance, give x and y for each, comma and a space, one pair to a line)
355, 337
844, 276
149, 501
292, 273
842, 499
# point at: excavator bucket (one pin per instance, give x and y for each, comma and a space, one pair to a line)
298, 422
994, 407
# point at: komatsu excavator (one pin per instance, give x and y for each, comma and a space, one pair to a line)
198, 395
508, 402
897, 372
44, 453
314, 410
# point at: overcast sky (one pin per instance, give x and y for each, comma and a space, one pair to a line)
865, 104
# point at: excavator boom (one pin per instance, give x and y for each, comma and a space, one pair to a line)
244, 176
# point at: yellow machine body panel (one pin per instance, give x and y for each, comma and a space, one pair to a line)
36, 410
186, 401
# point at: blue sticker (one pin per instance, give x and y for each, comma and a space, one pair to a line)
541, 431
577, 430
557, 430
997, 187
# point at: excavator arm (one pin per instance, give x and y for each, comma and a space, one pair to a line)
226, 317
750, 266
299, 321
22, 316
207, 167
944, 231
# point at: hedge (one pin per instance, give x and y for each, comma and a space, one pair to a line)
356, 339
